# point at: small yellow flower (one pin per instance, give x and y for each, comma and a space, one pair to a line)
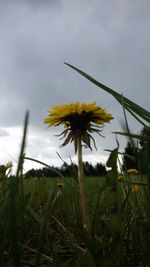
8, 165
60, 185
132, 171
78, 119
121, 178
135, 188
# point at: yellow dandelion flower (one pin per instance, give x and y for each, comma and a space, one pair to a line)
135, 188
60, 185
8, 165
78, 119
121, 178
132, 171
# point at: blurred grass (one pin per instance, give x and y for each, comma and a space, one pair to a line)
43, 227
41, 221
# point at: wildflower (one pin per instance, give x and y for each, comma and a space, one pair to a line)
121, 178
60, 185
79, 119
132, 171
8, 165
135, 188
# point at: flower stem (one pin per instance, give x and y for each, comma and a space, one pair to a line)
82, 192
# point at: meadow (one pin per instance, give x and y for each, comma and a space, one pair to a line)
71, 221
41, 221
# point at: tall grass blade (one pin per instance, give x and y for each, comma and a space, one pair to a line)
20, 162
46, 165
16, 203
137, 111
44, 224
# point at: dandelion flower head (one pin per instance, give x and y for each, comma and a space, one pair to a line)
79, 119
135, 188
132, 171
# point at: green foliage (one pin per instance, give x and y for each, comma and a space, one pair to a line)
144, 154
43, 225
130, 157
138, 157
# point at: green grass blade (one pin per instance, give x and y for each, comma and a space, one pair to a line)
46, 165
20, 162
128, 104
44, 224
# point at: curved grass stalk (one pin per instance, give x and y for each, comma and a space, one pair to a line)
20, 162
46, 165
139, 113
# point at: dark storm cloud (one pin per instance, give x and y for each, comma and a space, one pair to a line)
31, 3
40, 3
108, 39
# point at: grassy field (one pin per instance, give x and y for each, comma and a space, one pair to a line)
41, 222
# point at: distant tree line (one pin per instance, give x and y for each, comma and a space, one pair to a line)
134, 157
68, 170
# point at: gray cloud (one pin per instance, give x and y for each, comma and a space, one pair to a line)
109, 40
3, 132
40, 3
31, 3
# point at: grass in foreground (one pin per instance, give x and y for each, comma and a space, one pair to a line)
41, 223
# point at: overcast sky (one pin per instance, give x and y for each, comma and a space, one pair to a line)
109, 40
